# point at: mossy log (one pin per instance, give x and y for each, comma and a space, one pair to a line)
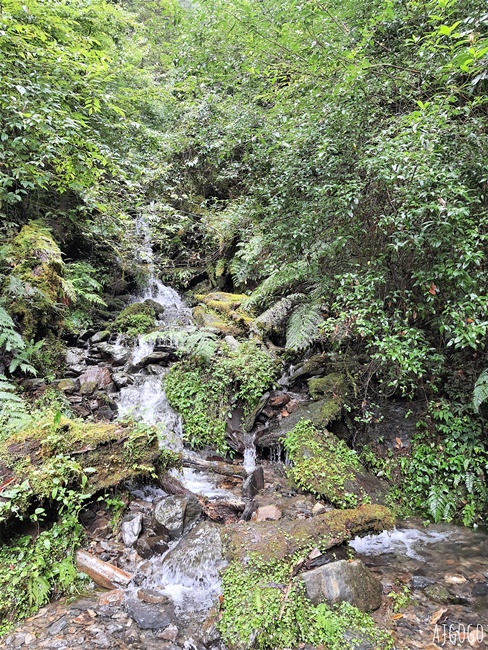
46, 455
275, 540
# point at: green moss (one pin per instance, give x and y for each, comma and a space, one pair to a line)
204, 391
322, 464
37, 262
211, 320
138, 318
60, 451
220, 308
332, 385
264, 606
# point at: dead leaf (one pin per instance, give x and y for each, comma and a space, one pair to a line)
395, 617
399, 443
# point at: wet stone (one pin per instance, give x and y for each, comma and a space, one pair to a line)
149, 617
58, 626
152, 597
480, 589
420, 582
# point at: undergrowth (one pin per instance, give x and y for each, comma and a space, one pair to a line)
264, 606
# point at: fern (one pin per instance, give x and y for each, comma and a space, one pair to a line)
480, 392
440, 503
10, 340
280, 281
303, 326
193, 342
13, 412
81, 284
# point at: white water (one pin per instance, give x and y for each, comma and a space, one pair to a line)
405, 541
201, 484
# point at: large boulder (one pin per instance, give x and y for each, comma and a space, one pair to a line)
198, 556
118, 354
96, 375
345, 580
176, 514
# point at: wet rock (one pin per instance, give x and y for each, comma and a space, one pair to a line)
454, 579
251, 418
112, 597
131, 529
278, 399
98, 337
97, 375
156, 306
264, 513
314, 366
175, 514
150, 617
147, 545
154, 358
58, 626
438, 593
344, 581
480, 589
122, 379
253, 483
420, 582
118, 354
75, 359
195, 553
104, 413
153, 597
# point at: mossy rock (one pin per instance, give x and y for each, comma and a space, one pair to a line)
324, 465
47, 454
36, 260
223, 308
138, 318
213, 322
276, 540
333, 386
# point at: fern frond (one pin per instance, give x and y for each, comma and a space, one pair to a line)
303, 326
480, 392
193, 342
281, 281
440, 503
13, 411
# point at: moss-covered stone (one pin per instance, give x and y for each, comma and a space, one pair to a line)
36, 260
52, 453
213, 322
324, 465
333, 385
222, 312
138, 318
275, 540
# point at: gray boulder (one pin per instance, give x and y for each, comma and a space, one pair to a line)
176, 514
118, 354
344, 581
131, 529
150, 617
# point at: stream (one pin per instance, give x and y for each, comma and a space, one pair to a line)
442, 570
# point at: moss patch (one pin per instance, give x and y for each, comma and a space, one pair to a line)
58, 451
326, 467
222, 312
203, 392
138, 318
275, 540
36, 260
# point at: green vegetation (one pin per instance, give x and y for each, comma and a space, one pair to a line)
203, 390
264, 605
323, 465
135, 319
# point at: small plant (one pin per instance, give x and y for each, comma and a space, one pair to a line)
400, 599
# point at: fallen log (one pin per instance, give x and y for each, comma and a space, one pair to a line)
102, 573
275, 540
224, 512
215, 466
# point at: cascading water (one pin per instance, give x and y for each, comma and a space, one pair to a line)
189, 571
